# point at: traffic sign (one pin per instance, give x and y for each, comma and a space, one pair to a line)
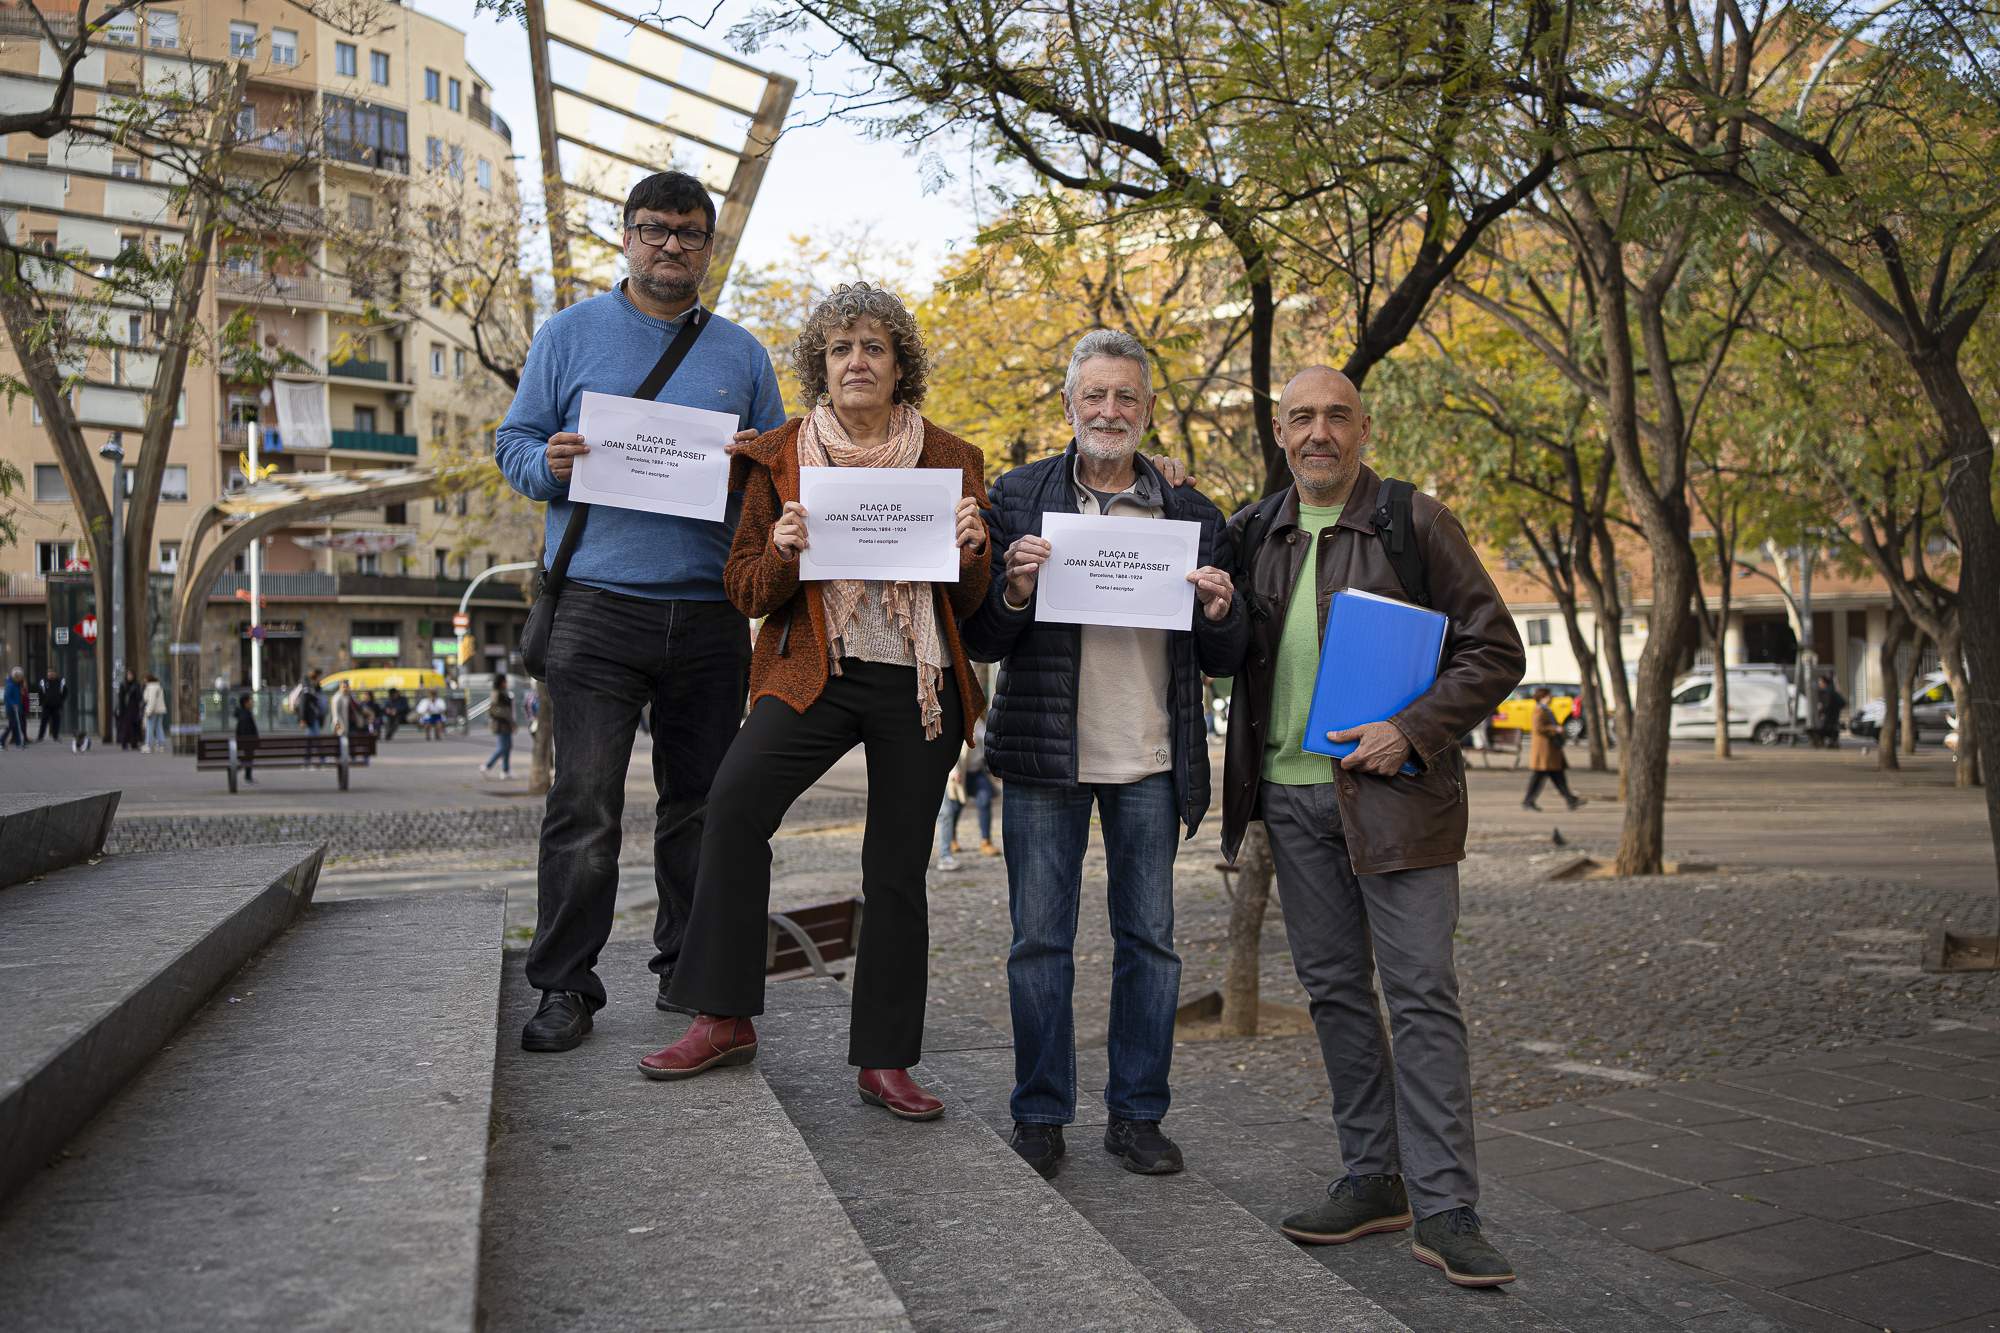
461, 623
61, 636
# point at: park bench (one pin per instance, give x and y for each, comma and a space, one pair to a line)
1501, 740
801, 942
288, 750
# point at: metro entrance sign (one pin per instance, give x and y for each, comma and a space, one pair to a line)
86, 629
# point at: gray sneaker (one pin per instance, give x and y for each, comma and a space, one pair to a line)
1452, 1241
1354, 1206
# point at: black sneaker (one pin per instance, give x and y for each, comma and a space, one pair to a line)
1354, 1206
1141, 1146
1040, 1146
559, 1025
1451, 1241
666, 1006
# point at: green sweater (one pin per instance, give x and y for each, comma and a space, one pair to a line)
1285, 762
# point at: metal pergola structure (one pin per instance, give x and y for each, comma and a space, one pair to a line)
233, 523
616, 99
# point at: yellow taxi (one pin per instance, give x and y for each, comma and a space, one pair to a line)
1517, 711
378, 679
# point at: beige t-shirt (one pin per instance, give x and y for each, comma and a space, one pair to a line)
1123, 718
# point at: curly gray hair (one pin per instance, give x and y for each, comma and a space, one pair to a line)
848, 302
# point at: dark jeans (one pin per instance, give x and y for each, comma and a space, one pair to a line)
777, 755
609, 658
1045, 831
17, 727
1555, 778
1402, 1103
51, 724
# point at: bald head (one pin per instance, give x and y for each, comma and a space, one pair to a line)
1323, 429
1320, 377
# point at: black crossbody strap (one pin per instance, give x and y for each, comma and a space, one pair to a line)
656, 380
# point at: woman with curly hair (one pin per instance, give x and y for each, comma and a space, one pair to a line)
837, 663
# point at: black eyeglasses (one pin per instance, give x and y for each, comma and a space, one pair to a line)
655, 234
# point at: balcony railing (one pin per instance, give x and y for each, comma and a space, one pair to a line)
360, 370
375, 442
280, 586
483, 114
279, 288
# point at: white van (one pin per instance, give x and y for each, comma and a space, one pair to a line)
1763, 706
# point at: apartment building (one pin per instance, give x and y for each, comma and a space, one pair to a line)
370, 142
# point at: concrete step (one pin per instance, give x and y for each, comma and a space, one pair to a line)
101, 964
309, 1152
970, 1237
1220, 1264
1573, 1279
40, 832
618, 1203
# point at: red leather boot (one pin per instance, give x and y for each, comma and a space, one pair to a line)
897, 1093
709, 1042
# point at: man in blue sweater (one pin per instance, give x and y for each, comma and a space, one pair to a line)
643, 619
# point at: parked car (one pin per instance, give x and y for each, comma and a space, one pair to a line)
1931, 708
1763, 706
1517, 711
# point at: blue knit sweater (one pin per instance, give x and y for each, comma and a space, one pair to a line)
605, 344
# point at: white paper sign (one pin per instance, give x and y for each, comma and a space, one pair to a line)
886, 523
1118, 571
659, 457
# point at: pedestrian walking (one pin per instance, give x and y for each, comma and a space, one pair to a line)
1367, 847
500, 716
1546, 762
246, 735
643, 618
1829, 702
131, 714
969, 783
51, 693
14, 702
154, 703
1105, 718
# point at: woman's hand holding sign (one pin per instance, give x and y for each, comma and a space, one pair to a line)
788, 534
971, 527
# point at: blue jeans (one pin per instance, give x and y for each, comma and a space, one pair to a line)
503, 752
1045, 831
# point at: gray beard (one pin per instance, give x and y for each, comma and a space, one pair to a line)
1116, 453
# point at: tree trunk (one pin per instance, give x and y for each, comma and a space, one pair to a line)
1586, 661
1965, 773
1723, 673
542, 767
1642, 840
1894, 631
1243, 970
1906, 693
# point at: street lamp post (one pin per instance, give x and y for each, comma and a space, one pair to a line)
114, 449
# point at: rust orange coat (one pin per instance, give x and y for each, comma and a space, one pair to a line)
790, 659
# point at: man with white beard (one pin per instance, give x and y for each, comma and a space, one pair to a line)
1105, 716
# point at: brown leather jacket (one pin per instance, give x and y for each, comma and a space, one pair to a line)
1394, 823
789, 659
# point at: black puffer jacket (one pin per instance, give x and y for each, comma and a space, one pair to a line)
1031, 728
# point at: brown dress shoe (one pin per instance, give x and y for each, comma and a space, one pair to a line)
897, 1093
709, 1042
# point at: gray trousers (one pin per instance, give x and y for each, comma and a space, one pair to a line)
1403, 1106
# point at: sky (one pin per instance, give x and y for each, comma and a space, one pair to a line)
826, 177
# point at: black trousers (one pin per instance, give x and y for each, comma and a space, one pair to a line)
51, 724
1556, 778
609, 658
777, 755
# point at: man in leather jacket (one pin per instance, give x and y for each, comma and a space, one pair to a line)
1366, 848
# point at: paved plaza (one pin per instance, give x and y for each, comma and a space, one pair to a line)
1742, 1071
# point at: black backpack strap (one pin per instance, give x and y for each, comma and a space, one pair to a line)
1396, 528
1254, 528
656, 380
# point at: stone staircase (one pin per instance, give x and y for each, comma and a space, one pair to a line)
222, 1108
